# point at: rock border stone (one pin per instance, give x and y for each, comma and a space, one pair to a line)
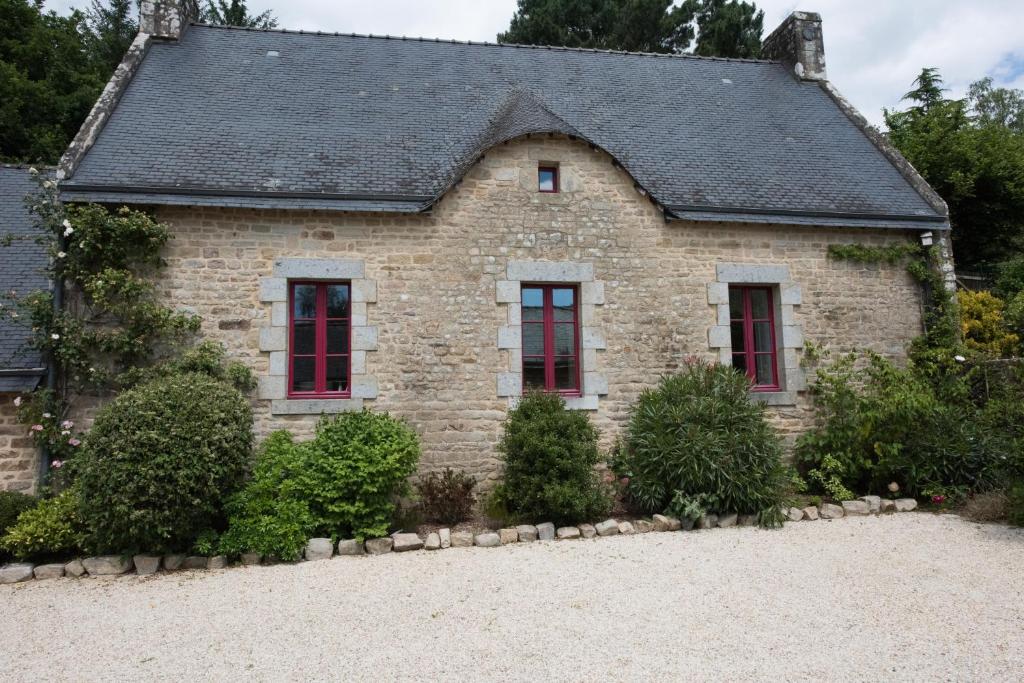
324, 549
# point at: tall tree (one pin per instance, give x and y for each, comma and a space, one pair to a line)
973, 155
112, 28
235, 13
1001, 106
632, 25
722, 28
48, 80
727, 28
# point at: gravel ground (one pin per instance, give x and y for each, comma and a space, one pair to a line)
908, 596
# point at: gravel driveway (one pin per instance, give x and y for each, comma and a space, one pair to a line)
910, 596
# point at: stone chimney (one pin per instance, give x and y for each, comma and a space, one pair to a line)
797, 43
166, 19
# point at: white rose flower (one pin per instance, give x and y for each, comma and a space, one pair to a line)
17, 401
61, 254
54, 336
959, 359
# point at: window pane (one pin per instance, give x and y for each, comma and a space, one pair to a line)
564, 302
305, 301
533, 373
533, 339
305, 338
739, 361
737, 337
337, 301
764, 368
337, 373
735, 303
565, 373
303, 374
546, 180
762, 336
337, 337
759, 302
533, 303
565, 339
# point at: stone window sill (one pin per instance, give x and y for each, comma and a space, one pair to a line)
315, 406
774, 398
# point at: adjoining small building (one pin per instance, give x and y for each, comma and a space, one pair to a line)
22, 270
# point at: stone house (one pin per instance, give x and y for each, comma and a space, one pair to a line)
433, 227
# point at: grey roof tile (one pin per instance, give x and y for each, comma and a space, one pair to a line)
22, 263
383, 120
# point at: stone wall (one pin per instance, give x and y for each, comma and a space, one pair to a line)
18, 464
438, 308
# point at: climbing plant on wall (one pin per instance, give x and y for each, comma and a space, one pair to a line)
111, 320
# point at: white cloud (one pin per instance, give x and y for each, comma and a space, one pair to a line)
873, 48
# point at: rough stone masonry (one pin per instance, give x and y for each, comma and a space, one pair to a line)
443, 314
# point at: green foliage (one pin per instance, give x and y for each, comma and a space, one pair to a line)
723, 28
699, 434
984, 326
1010, 278
828, 476
344, 482
271, 514
448, 497
858, 253
972, 152
689, 508
1015, 504
550, 453
159, 461
51, 528
12, 504
879, 423
235, 13
206, 358
727, 28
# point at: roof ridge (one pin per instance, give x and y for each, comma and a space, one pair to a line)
452, 41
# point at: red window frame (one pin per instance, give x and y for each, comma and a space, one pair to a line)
749, 353
320, 350
554, 177
548, 322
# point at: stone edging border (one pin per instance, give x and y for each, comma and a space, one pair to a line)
324, 548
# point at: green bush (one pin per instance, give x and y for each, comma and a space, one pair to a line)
550, 453
159, 462
879, 423
698, 436
271, 514
345, 482
446, 498
51, 528
12, 504
1015, 504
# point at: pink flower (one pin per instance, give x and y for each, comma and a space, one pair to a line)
37, 428
67, 424
56, 464
74, 442
938, 500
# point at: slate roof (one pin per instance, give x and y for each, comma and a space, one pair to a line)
21, 266
277, 119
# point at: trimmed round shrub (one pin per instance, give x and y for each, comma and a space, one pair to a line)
50, 528
343, 483
159, 462
697, 436
550, 453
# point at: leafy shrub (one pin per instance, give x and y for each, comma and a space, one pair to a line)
446, 498
879, 423
344, 482
699, 434
550, 453
160, 460
828, 476
1015, 504
12, 504
206, 358
983, 324
271, 514
52, 527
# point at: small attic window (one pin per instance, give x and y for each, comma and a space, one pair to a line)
547, 178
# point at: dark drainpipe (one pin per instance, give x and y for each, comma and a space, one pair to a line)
45, 456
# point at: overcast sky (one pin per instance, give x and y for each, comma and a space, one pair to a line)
873, 48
